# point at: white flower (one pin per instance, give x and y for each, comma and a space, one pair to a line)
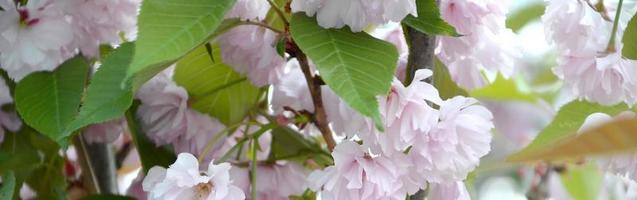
275, 181
454, 147
406, 113
106, 132
183, 180
589, 71
32, 37
486, 43
165, 115
251, 50
358, 175
357, 14
448, 191
292, 91
249, 10
97, 22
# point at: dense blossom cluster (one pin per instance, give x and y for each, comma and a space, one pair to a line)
592, 68
69, 25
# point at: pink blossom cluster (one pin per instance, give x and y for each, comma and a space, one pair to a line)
251, 49
420, 143
590, 69
485, 45
357, 14
40, 35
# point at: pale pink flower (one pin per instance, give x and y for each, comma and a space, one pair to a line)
249, 10
106, 132
406, 113
203, 130
454, 147
486, 43
397, 38
359, 175
97, 22
32, 37
136, 189
357, 14
448, 191
184, 180
344, 120
292, 91
589, 71
251, 50
165, 115
277, 181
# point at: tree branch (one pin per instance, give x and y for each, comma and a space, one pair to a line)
319, 118
421, 52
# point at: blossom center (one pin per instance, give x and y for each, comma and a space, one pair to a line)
203, 190
25, 21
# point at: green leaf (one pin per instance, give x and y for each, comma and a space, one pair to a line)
107, 197
443, 82
629, 50
520, 18
582, 182
214, 87
48, 101
357, 66
565, 124
7, 188
168, 29
149, 153
504, 90
429, 20
105, 99
288, 144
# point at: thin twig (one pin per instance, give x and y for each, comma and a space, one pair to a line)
253, 175
215, 139
611, 44
320, 117
262, 25
86, 162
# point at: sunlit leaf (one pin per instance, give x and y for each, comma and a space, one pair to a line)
520, 18
214, 87
168, 29
582, 182
504, 90
563, 128
443, 82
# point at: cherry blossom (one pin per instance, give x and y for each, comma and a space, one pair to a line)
485, 44
448, 190
359, 175
184, 180
249, 10
357, 14
291, 91
251, 50
455, 145
106, 132
275, 181
589, 70
23, 46
97, 22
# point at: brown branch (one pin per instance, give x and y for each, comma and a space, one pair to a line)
421, 52
314, 85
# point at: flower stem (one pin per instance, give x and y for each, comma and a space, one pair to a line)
262, 25
215, 139
253, 175
611, 44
